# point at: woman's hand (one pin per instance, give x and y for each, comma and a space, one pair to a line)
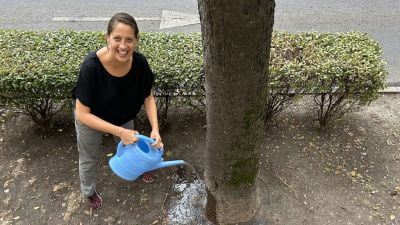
156, 136
128, 136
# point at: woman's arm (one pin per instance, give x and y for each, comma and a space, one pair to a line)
84, 115
151, 112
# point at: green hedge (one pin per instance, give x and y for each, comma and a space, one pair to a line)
42, 67
351, 73
341, 70
46, 64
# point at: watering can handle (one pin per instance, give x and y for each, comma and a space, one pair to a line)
150, 140
120, 149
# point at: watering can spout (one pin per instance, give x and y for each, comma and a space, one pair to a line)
166, 164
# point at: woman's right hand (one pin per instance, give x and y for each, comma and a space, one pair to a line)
128, 136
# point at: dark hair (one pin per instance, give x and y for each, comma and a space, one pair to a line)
122, 18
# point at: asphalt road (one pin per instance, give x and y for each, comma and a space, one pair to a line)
381, 19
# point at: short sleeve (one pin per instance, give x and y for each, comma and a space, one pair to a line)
84, 87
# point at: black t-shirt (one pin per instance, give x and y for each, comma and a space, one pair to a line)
114, 99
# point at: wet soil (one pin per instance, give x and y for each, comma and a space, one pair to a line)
347, 174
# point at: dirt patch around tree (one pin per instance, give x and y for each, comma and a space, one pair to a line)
348, 174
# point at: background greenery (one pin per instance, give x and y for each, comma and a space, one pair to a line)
341, 70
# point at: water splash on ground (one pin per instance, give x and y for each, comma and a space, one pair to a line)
187, 205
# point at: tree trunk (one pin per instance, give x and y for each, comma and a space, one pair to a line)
236, 42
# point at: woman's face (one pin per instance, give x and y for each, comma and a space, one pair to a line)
122, 42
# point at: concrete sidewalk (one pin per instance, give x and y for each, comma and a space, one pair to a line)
391, 90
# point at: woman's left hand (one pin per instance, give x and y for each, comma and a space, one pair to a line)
156, 136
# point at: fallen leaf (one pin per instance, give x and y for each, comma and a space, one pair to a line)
59, 186
32, 180
392, 217
7, 183
396, 191
169, 154
109, 219
389, 142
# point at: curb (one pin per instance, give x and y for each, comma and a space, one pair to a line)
394, 90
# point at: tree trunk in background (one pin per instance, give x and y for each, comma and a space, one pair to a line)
236, 42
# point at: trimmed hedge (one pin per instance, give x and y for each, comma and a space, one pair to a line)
341, 70
38, 69
348, 71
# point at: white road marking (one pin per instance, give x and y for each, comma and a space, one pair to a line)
176, 19
168, 19
97, 19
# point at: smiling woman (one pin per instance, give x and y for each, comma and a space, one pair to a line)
113, 85
117, 56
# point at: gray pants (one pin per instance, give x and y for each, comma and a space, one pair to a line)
89, 141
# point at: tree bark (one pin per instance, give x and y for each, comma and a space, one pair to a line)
236, 41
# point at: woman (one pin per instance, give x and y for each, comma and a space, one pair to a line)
114, 83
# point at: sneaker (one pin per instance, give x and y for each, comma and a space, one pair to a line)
95, 200
148, 177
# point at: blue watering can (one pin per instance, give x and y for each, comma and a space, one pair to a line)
132, 160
